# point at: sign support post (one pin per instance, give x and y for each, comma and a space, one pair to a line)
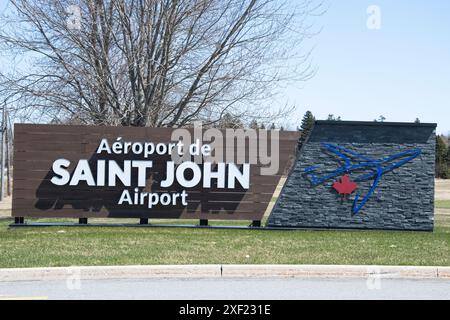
256, 224
2, 164
19, 220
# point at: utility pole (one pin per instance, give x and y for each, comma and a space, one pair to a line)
2, 152
8, 143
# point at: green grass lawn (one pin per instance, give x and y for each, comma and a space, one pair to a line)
443, 204
68, 246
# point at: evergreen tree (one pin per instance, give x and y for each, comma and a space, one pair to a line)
380, 119
306, 126
442, 154
230, 121
448, 163
332, 117
254, 124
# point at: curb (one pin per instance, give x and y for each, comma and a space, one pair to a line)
336, 271
110, 272
223, 271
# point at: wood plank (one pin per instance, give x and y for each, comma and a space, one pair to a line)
37, 146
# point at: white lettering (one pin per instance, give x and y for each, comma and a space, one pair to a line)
125, 197
235, 174
169, 175
142, 171
104, 146
82, 173
208, 175
197, 174
59, 167
123, 175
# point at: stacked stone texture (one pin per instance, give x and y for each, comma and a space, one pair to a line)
403, 199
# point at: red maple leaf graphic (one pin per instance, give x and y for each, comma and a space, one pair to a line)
345, 185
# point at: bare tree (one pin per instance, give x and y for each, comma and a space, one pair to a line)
151, 62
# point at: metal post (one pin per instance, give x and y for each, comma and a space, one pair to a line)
19, 220
256, 224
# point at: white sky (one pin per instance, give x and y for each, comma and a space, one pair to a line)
401, 71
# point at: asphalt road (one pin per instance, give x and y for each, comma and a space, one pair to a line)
284, 289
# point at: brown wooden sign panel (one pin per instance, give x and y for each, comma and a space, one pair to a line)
90, 171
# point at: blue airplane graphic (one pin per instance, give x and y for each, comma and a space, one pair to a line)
377, 168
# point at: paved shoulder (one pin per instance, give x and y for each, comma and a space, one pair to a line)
229, 288
224, 271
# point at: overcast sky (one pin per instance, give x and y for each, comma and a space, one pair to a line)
400, 71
